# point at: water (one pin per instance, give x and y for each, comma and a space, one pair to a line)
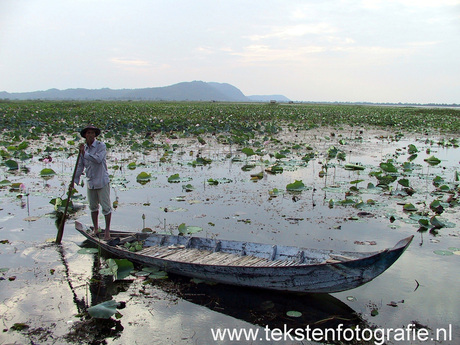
52, 285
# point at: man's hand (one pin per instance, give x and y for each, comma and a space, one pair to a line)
82, 149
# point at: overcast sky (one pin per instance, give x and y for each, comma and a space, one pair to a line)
307, 50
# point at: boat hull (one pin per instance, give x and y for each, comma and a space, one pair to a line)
326, 277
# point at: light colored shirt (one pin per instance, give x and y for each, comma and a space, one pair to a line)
95, 166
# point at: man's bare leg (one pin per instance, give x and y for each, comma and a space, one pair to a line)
108, 218
94, 218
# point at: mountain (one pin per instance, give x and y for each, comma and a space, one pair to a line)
186, 91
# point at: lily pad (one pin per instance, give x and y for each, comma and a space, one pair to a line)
353, 167
88, 251
187, 229
437, 223
443, 252
104, 310
404, 182
5, 183
175, 178
111, 269
179, 198
411, 149
432, 160
409, 207
159, 275
125, 267
275, 192
132, 165
293, 313
143, 176
11, 164
388, 167
295, 186
275, 169
188, 187
47, 172
248, 151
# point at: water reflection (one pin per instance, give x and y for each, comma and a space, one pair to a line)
100, 289
266, 308
255, 306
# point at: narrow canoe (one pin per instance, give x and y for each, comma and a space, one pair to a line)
249, 264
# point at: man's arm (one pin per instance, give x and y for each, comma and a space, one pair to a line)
81, 164
79, 171
99, 155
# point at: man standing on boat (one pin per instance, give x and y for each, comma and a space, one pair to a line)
93, 161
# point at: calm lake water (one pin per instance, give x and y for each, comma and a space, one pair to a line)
45, 286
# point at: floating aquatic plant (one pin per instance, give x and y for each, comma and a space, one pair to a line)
187, 229
432, 160
297, 185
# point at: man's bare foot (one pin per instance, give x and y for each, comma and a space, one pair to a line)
107, 235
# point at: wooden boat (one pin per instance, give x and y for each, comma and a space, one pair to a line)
248, 264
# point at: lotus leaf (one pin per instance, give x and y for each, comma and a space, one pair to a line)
275, 169
404, 182
248, 151
47, 172
443, 252
386, 179
175, 178
124, 268
388, 167
293, 313
275, 192
213, 182
143, 176
188, 187
412, 149
295, 186
248, 167
432, 160
11, 164
353, 167
436, 223
159, 275
104, 310
5, 183
186, 230
437, 181
88, 251
409, 207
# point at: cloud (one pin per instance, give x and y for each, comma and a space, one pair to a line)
130, 62
259, 53
294, 31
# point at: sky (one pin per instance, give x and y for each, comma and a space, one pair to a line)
307, 50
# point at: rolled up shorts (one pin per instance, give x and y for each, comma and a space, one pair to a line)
101, 197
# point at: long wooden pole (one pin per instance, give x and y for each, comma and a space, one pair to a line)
69, 194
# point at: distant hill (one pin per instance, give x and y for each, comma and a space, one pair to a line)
186, 91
